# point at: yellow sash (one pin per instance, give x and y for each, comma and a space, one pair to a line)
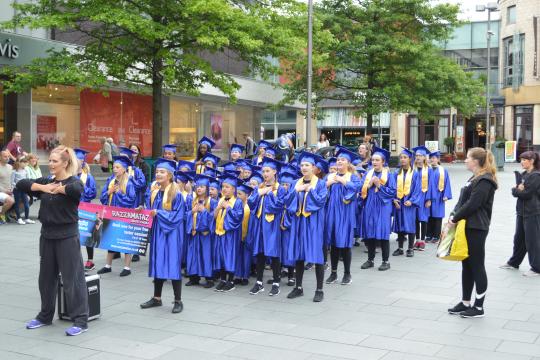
184, 194
111, 186
194, 214
441, 178
313, 183
268, 217
130, 171
200, 169
166, 204
220, 219
245, 221
369, 176
425, 182
84, 176
404, 187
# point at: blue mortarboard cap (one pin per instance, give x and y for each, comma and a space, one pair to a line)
244, 165
294, 162
182, 176
202, 180
322, 164
212, 172
215, 183
290, 169
421, 150
270, 151
184, 164
360, 169
257, 177
435, 154
126, 151
407, 152
237, 147
213, 158
244, 187
288, 177
229, 166
264, 144
207, 141
332, 161
81, 154
382, 152
168, 165
228, 178
346, 153
307, 157
122, 160
271, 163
169, 147
235, 173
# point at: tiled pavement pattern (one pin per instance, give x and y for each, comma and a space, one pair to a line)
399, 314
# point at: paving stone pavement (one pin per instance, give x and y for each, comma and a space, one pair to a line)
395, 315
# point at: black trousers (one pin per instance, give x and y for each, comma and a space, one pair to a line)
421, 227
526, 241
402, 237
473, 268
372, 248
62, 256
434, 228
176, 285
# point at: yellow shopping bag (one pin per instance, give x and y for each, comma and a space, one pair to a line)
453, 244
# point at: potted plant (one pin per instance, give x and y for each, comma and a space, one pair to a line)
449, 143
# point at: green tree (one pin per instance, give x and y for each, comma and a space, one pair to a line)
381, 56
156, 45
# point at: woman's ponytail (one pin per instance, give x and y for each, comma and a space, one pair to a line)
486, 160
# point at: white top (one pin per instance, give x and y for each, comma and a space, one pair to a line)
322, 144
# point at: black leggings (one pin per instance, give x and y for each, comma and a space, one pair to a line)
345, 253
276, 267
372, 248
401, 239
474, 270
434, 228
421, 227
90, 252
176, 284
319, 274
224, 276
526, 242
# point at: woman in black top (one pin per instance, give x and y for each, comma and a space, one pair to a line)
475, 205
59, 246
528, 215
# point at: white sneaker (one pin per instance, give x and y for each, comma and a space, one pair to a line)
21, 222
530, 273
30, 221
508, 266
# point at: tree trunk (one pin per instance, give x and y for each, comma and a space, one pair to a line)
369, 124
157, 113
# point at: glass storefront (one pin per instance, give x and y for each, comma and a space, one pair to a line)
421, 131
276, 123
523, 128
2, 120
185, 116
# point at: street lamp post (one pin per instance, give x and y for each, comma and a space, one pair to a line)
481, 8
310, 71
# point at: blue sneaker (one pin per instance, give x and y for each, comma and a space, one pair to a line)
75, 330
34, 324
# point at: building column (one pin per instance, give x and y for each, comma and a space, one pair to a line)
536, 127
398, 131
24, 121
509, 123
301, 128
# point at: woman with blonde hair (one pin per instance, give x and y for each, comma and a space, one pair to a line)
59, 246
33, 169
474, 205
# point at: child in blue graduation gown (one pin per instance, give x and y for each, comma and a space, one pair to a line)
287, 179
119, 191
236, 152
227, 229
198, 226
266, 204
343, 188
360, 171
166, 202
260, 152
183, 179
422, 213
441, 192
137, 177
406, 203
245, 252
205, 147
307, 235
378, 192
87, 196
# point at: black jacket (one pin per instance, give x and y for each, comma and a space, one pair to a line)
528, 200
476, 202
58, 213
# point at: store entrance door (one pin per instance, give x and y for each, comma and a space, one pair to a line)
475, 135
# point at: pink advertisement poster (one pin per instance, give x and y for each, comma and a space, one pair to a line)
216, 130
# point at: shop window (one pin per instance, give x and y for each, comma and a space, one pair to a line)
523, 128
2, 121
513, 60
511, 15
184, 120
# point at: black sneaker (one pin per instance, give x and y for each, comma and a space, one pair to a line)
458, 309
275, 290
384, 266
208, 284
291, 282
237, 281
245, 282
296, 292
177, 307
125, 272
153, 302
135, 258
319, 296
398, 252
257, 288
332, 278
104, 270
229, 286
308, 266
356, 243
192, 282
410, 253
347, 279
472, 312
368, 264
220, 286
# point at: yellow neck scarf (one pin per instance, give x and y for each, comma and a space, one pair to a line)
200, 169
441, 178
404, 187
245, 221
369, 176
425, 183
166, 204
84, 176
194, 216
268, 217
131, 171
220, 219
111, 186
313, 183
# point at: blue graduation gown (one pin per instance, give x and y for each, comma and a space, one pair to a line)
139, 181
245, 254
307, 238
286, 229
341, 218
165, 261
377, 214
266, 235
188, 200
119, 199
199, 251
405, 216
422, 211
90, 190
437, 203
226, 245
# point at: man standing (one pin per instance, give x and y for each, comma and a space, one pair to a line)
6, 194
14, 147
250, 145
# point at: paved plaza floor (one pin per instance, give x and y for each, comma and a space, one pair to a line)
398, 314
